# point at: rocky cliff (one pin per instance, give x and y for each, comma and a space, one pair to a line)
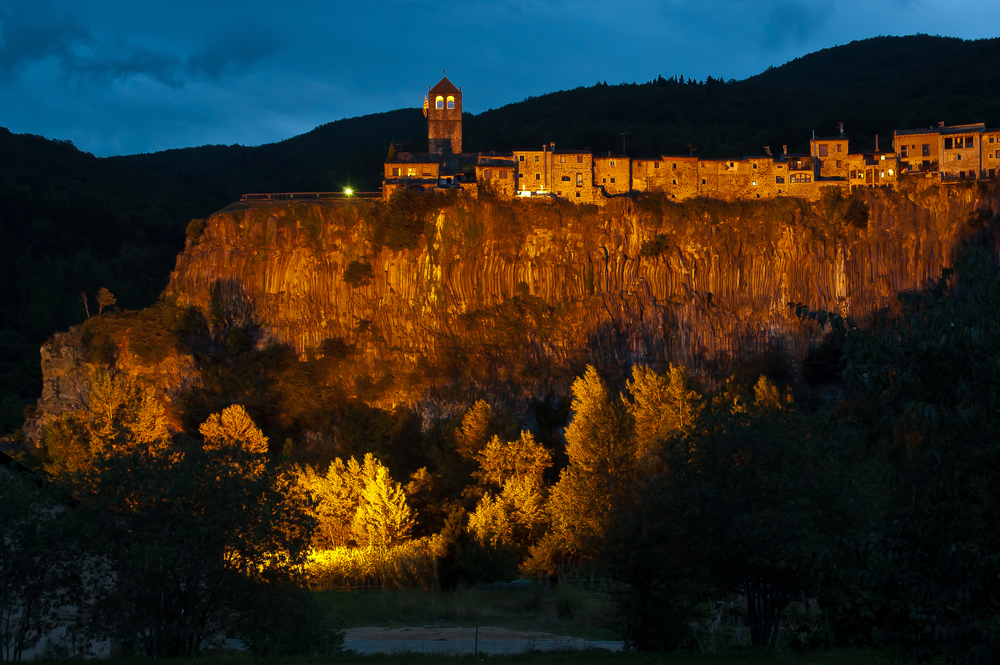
439, 300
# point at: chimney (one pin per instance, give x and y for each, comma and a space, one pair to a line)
784, 150
767, 150
876, 143
814, 135
940, 123
841, 129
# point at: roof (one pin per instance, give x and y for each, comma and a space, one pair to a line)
907, 132
415, 158
444, 85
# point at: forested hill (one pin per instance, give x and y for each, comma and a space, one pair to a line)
873, 86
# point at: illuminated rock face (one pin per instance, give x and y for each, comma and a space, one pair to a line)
513, 300
529, 292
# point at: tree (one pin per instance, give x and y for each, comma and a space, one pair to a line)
662, 407
39, 566
516, 515
473, 435
192, 541
359, 503
768, 493
104, 299
233, 427
121, 414
928, 579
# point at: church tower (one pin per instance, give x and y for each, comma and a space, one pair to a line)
443, 109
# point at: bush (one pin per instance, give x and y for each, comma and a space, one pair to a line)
358, 273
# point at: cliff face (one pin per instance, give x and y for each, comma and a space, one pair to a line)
552, 286
513, 299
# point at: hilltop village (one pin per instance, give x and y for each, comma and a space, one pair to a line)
942, 153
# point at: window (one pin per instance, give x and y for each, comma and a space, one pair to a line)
754, 183
395, 172
538, 176
675, 182
993, 173
840, 147
612, 162
521, 158
565, 178
656, 165
961, 174
755, 164
925, 150
562, 159
451, 102
703, 181
854, 175
578, 195
674, 166
439, 102
604, 181
801, 177
779, 180
948, 143
904, 152
411, 171
612, 181
537, 157
838, 163
780, 167
823, 150
579, 159
951, 158
426, 173
487, 173
970, 141
991, 139
579, 180
890, 172
503, 174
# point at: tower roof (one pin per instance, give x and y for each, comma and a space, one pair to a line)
444, 85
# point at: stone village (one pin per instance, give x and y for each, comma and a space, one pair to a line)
940, 153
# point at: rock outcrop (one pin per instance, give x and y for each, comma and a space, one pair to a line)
515, 298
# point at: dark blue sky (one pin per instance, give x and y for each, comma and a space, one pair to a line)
126, 76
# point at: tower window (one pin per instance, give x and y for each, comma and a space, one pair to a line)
451, 102
439, 102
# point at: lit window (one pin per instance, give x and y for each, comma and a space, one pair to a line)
562, 159
439, 102
754, 183
579, 180
890, 171
451, 102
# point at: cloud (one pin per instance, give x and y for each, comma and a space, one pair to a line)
232, 54
794, 21
32, 31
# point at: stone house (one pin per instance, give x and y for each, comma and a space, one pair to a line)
991, 153
830, 157
960, 150
872, 169
613, 174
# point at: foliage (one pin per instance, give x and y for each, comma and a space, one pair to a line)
405, 565
39, 565
122, 415
191, 541
926, 581
194, 229
358, 273
357, 503
233, 427
104, 299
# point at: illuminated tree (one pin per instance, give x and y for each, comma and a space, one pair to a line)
383, 518
104, 299
357, 502
122, 415
662, 407
516, 515
233, 427
472, 436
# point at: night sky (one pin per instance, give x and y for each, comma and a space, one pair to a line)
121, 77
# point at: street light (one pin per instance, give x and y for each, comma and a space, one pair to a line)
348, 191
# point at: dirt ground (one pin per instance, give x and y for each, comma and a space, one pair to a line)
449, 633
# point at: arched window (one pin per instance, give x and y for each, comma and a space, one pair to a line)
451, 102
439, 102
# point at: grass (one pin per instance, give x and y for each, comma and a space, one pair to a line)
841, 657
564, 610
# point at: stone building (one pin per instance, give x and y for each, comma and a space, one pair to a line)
443, 110
949, 153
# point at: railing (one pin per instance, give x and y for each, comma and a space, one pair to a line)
284, 196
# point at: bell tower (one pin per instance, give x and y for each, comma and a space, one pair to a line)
443, 108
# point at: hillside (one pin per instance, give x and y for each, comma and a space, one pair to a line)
74, 223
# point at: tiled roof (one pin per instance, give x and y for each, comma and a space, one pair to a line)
444, 85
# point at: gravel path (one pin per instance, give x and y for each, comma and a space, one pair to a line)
453, 641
